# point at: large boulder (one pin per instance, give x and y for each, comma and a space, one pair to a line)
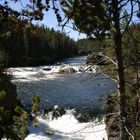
66, 70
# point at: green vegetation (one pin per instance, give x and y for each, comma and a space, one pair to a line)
107, 22
131, 56
90, 45
13, 120
49, 132
34, 45
25, 44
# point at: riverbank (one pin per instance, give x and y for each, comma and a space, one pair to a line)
41, 61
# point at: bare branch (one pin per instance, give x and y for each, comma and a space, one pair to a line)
70, 16
22, 4
114, 113
110, 60
124, 4
129, 133
131, 15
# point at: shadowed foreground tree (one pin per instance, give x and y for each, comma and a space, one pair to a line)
102, 19
13, 123
14, 30
13, 120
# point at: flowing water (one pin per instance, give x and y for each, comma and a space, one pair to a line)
69, 83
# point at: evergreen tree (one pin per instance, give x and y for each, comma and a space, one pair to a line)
101, 19
13, 121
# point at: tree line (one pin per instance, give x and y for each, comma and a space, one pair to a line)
130, 43
101, 19
35, 45
25, 44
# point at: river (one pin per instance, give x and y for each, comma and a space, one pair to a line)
68, 84
80, 88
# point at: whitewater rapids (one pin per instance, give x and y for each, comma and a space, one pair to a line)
67, 127
77, 89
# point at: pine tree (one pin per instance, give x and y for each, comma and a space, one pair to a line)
12, 119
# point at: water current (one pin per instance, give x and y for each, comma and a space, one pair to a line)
69, 83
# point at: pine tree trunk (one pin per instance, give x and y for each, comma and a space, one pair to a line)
26, 44
120, 66
121, 84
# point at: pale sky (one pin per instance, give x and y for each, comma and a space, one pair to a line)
49, 19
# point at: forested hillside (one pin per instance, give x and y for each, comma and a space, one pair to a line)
34, 45
90, 45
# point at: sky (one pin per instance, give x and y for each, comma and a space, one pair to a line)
49, 19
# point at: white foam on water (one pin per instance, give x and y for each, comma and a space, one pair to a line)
27, 74
67, 127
